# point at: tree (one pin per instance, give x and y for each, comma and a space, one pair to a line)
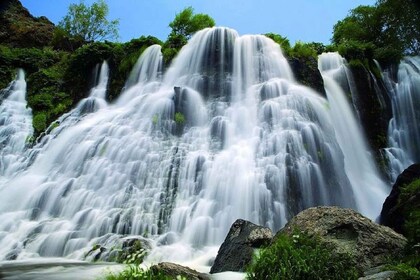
362, 24
89, 23
401, 21
386, 31
185, 24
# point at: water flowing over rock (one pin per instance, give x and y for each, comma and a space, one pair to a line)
404, 127
359, 164
347, 231
15, 126
225, 133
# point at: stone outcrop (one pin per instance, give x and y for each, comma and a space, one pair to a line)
392, 214
307, 73
173, 270
348, 232
238, 248
119, 249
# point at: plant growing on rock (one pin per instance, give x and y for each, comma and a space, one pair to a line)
300, 257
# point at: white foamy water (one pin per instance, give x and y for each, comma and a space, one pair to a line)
225, 133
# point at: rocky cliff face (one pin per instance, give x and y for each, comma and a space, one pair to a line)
18, 28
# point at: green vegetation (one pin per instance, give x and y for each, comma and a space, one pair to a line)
89, 23
300, 49
179, 118
406, 270
135, 272
185, 24
386, 31
300, 257
411, 211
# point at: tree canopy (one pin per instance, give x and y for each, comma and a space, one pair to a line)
89, 23
386, 31
185, 24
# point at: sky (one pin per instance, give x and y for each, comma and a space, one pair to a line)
298, 20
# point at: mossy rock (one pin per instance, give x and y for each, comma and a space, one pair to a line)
346, 231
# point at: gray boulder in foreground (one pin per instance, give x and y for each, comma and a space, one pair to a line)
236, 252
173, 270
347, 231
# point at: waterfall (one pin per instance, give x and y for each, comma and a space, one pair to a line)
404, 127
369, 189
225, 133
15, 125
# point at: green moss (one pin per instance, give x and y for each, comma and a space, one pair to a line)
179, 118
300, 257
40, 122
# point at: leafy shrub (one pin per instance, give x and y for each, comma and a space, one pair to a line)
356, 50
407, 268
303, 50
300, 257
406, 272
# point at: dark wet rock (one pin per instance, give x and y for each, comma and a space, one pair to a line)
236, 252
307, 73
392, 211
373, 106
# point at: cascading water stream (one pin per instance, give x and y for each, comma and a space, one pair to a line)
226, 133
15, 126
369, 189
404, 127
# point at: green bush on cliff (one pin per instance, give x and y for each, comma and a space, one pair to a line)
300, 257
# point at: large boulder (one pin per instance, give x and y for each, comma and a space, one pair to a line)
348, 232
394, 211
237, 250
173, 270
